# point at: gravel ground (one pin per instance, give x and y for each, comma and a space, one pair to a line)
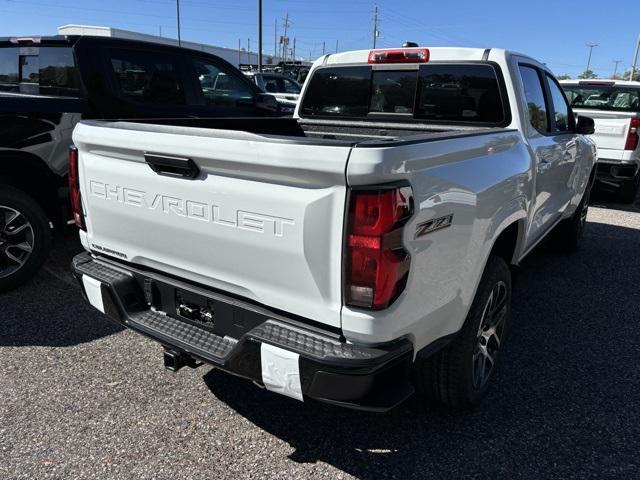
83, 398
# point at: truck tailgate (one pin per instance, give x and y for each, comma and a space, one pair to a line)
612, 128
263, 219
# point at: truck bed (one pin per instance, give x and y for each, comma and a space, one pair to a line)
329, 132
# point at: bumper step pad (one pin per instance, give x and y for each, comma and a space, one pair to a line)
331, 370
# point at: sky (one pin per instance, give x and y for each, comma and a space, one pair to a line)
555, 33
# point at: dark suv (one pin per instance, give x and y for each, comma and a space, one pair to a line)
47, 84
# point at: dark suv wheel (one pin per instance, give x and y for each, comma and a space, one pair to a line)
25, 237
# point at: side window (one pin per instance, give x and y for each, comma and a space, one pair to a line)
147, 77
271, 84
9, 69
221, 88
290, 86
561, 112
58, 74
534, 94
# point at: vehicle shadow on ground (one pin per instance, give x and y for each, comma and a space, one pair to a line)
605, 199
568, 387
49, 310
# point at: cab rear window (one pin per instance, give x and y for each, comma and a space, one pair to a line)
441, 93
604, 97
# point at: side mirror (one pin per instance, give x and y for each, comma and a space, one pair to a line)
585, 126
268, 102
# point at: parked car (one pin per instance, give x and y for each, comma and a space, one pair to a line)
615, 107
354, 253
47, 84
284, 88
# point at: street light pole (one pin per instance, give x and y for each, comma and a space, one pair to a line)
591, 47
259, 35
635, 60
178, 18
615, 70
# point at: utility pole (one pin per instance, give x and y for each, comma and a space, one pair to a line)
178, 18
249, 51
635, 60
239, 53
285, 42
259, 35
375, 26
323, 48
275, 40
591, 46
336, 46
294, 49
615, 70
160, 28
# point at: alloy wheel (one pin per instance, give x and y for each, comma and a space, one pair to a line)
16, 241
490, 335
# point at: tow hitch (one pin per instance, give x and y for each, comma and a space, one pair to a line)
174, 361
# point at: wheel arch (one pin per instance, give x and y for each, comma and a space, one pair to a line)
30, 174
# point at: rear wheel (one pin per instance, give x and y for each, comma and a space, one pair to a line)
458, 376
568, 233
629, 190
25, 237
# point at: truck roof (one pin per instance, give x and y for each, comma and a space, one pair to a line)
610, 82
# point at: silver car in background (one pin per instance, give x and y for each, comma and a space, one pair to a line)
284, 88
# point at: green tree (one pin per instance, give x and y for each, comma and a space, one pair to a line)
564, 77
588, 74
636, 75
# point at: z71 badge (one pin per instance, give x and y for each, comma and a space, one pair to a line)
433, 225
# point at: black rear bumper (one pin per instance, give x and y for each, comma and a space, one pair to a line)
615, 173
330, 370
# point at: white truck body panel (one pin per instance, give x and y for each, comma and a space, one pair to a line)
255, 223
487, 181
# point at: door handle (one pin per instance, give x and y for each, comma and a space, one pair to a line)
172, 166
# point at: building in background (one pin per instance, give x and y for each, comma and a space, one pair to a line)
233, 56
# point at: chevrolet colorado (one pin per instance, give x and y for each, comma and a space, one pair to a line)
47, 84
353, 254
614, 106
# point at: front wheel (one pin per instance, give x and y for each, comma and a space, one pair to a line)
457, 377
25, 237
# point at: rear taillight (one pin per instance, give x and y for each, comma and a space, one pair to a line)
74, 188
403, 55
377, 265
632, 136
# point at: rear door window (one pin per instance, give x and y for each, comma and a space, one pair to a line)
562, 117
536, 102
9, 71
57, 72
147, 77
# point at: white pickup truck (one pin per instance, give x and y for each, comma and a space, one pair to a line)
614, 106
353, 254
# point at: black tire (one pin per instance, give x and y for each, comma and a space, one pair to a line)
447, 378
568, 233
629, 190
37, 235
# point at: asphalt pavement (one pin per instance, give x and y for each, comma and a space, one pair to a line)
82, 398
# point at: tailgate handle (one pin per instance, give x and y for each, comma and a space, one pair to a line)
172, 166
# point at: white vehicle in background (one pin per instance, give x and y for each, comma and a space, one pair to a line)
352, 254
614, 105
284, 88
